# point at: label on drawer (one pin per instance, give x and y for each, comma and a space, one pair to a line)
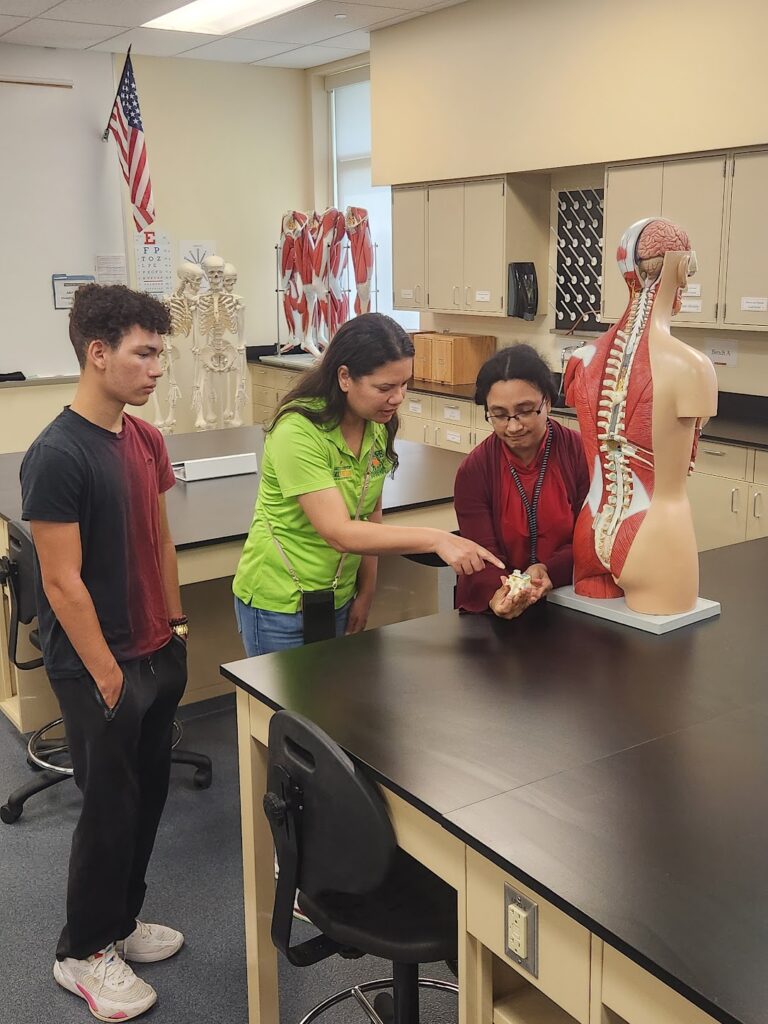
451, 414
723, 355
482, 296
406, 293
754, 304
690, 305
692, 291
414, 406
453, 435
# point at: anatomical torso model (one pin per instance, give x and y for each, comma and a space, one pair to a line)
641, 396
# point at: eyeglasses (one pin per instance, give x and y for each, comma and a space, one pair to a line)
525, 416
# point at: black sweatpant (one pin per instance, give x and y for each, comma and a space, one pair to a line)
122, 761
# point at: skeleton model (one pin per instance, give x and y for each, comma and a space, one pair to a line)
219, 313
641, 396
230, 280
359, 234
313, 260
181, 306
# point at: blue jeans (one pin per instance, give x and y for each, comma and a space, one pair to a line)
264, 632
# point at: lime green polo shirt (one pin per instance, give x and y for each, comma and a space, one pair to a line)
300, 457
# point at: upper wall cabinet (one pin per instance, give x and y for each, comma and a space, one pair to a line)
473, 230
689, 192
409, 248
746, 275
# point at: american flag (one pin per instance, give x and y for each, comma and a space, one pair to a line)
125, 124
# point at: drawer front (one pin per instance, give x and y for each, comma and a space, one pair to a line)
639, 998
761, 467
416, 404
259, 374
448, 410
262, 414
564, 946
448, 435
722, 460
264, 396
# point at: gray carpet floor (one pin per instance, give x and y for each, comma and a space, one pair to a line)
194, 883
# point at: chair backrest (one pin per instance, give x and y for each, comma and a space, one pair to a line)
21, 552
345, 838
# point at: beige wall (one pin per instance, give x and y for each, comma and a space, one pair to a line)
493, 86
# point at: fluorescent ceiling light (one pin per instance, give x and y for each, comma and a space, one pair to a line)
218, 17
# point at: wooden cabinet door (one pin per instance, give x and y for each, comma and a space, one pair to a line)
631, 193
693, 197
746, 281
719, 508
484, 240
445, 247
757, 513
409, 248
442, 360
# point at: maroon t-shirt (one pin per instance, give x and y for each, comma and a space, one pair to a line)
78, 472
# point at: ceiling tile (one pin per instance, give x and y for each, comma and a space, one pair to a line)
26, 8
112, 12
352, 40
65, 34
305, 57
153, 42
318, 21
7, 23
245, 51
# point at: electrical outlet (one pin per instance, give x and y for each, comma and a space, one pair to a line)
521, 930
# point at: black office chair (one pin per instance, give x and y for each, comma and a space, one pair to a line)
335, 844
51, 757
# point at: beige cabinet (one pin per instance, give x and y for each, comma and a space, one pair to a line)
409, 248
719, 506
689, 192
632, 192
746, 287
445, 247
484, 230
757, 512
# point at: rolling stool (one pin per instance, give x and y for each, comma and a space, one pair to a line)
50, 757
335, 844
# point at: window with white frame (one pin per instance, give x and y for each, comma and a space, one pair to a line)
351, 138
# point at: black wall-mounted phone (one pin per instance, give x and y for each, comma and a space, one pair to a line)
522, 291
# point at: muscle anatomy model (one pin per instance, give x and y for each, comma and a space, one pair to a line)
359, 234
181, 306
641, 397
312, 260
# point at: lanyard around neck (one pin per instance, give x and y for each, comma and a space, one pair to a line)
532, 507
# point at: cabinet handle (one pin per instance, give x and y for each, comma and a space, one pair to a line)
425, 433
757, 502
417, 294
735, 507
467, 293
437, 435
455, 295
710, 451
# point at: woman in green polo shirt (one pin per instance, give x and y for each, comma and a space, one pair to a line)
318, 525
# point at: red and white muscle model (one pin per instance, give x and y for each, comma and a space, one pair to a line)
294, 303
359, 234
641, 395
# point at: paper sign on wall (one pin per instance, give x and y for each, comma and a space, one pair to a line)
65, 286
723, 353
692, 291
194, 250
111, 269
754, 304
690, 305
154, 265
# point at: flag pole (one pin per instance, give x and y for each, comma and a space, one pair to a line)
105, 136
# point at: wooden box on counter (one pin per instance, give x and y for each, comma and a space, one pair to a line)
450, 358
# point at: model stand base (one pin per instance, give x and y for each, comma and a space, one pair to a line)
615, 609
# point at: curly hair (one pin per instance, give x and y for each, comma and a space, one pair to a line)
517, 362
108, 312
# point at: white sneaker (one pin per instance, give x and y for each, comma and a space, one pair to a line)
107, 984
149, 943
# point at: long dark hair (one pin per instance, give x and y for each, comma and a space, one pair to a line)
362, 344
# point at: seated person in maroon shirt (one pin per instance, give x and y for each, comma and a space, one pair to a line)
519, 492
